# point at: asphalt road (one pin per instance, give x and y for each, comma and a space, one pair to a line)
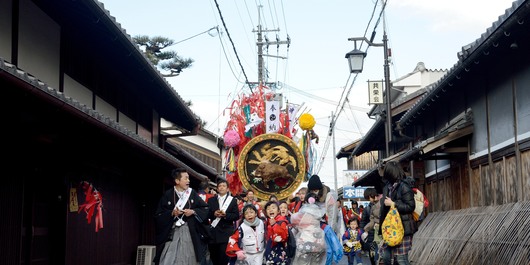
344, 260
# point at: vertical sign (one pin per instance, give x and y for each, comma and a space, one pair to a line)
292, 111
74, 205
272, 115
375, 92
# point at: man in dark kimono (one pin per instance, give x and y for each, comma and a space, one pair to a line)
223, 212
180, 221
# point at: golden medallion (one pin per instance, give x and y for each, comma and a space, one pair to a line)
271, 164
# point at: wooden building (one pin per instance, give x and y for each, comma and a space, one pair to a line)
83, 104
470, 150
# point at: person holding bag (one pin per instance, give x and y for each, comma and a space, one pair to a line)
397, 193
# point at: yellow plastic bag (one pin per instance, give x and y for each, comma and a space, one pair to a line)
392, 228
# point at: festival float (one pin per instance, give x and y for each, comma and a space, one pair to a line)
263, 151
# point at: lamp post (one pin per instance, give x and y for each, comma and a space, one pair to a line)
355, 60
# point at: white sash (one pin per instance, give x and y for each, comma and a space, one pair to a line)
181, 204
223, 208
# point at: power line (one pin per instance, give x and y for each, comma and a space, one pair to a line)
233, 46
321, 99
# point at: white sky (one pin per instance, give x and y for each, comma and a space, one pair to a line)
316, 72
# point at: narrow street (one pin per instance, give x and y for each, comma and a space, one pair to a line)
344, 260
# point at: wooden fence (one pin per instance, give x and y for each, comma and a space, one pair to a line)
481, 235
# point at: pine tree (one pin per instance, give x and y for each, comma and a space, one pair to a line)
166, 60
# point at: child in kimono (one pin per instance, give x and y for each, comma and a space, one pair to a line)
277, 235
247, 244
352, 242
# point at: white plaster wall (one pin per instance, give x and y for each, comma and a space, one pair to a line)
5, 30
106, 109
429, 77
77, 91
39, 44
203, 142
127, 122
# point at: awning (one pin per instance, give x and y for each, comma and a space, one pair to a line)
197, 166
370, 179
394, 157
374, 139
440, 140
346, 150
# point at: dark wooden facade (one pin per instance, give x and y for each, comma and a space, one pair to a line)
81, 103
470, 151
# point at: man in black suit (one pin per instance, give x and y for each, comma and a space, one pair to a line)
223, 212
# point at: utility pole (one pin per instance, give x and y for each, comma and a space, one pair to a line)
332, 132
260, 43
388, 127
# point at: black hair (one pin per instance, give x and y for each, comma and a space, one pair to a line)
269, 203
353, 220
249, 206
176, 173
354, 202
273, 196
204, 185
393, 172
370, 193
309, 195
222, 181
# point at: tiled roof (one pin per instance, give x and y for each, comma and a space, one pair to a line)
468, 56
95, 117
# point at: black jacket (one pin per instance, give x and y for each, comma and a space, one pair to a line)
403, 197
365, 220
225, 228
164, 220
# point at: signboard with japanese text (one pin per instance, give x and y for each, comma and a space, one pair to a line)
350, 192
375, 92
272, 114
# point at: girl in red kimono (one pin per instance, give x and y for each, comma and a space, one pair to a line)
277, 235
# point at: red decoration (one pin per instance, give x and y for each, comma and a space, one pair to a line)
255, 104
93, 201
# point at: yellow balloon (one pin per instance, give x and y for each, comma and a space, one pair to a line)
306, 121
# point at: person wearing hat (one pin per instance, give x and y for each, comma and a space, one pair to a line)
326, 199
314, 185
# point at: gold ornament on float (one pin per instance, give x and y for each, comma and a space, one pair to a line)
271, 164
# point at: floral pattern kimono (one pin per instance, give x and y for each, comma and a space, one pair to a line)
276, 251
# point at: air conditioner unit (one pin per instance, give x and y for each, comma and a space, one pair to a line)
145, 255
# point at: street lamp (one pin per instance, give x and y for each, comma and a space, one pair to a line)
355, 60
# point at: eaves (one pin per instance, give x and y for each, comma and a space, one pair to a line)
469, 57
35, 87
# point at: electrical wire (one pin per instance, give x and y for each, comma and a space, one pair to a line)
341, 108
233, 45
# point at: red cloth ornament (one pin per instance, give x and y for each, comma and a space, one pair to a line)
93, 202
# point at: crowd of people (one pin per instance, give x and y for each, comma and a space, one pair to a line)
214, 227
